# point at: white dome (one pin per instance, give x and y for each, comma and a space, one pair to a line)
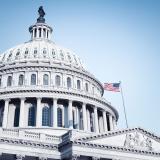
41, 50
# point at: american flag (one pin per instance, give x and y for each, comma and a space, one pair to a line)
115, 87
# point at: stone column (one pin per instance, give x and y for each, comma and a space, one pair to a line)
96, 120
33, 32
84, 117
114, 123
22, 113
105, 122
39, 113
11, 116
111, 122
88, 121
70, 115
54, 112
5, 113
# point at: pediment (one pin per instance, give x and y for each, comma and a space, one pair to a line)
135, 138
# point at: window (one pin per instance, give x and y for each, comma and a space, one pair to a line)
62, 55
39, 32
78, 84
53, 53
59, 117
69, 57
17, 54
35, 33
16, 117
58, 80
86, 85
33, 79
68, 82
45, 79
9, 57
9, 81
31, 116
26, 53
44, 53
0, 81
46, 116
1, 115
35, 53
21, 80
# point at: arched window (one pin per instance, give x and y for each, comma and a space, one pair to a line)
21, 80
53, 53
45, 79
0, 81
68, 82
59, 117
33, 79
31, 116
1, 115
86, 85
26, 53
9, 57
78, 84
46, 116
58, 80
17, 54
35, 53
62, 55
16, 117
44, 53
9, 81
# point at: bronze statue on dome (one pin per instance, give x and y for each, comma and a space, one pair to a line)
41, 15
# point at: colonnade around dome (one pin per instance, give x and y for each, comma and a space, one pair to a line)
46, 112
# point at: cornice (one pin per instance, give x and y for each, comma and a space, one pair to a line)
25, 90
114, 148
28, 143
49, 66
119, 132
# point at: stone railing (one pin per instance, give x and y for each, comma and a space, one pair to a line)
26, 135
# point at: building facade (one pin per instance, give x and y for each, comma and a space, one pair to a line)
52, 108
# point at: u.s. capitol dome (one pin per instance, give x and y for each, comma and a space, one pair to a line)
44, 85
52, 108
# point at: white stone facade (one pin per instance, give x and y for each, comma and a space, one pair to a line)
52, 108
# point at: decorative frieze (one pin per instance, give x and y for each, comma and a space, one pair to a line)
137, 141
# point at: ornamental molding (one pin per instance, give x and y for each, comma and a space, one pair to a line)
28, 143
84, 74
137, 141
114, 148
119, 132
95, 158
63, 93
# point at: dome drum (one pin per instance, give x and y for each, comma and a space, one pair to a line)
45, 85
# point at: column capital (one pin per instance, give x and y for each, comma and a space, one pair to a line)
75, 157
19, 157
39, 98
95, 158
42, 158
7, 99
23, 98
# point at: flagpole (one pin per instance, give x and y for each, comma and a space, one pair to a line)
124, 108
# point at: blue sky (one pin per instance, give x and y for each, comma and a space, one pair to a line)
118, 40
